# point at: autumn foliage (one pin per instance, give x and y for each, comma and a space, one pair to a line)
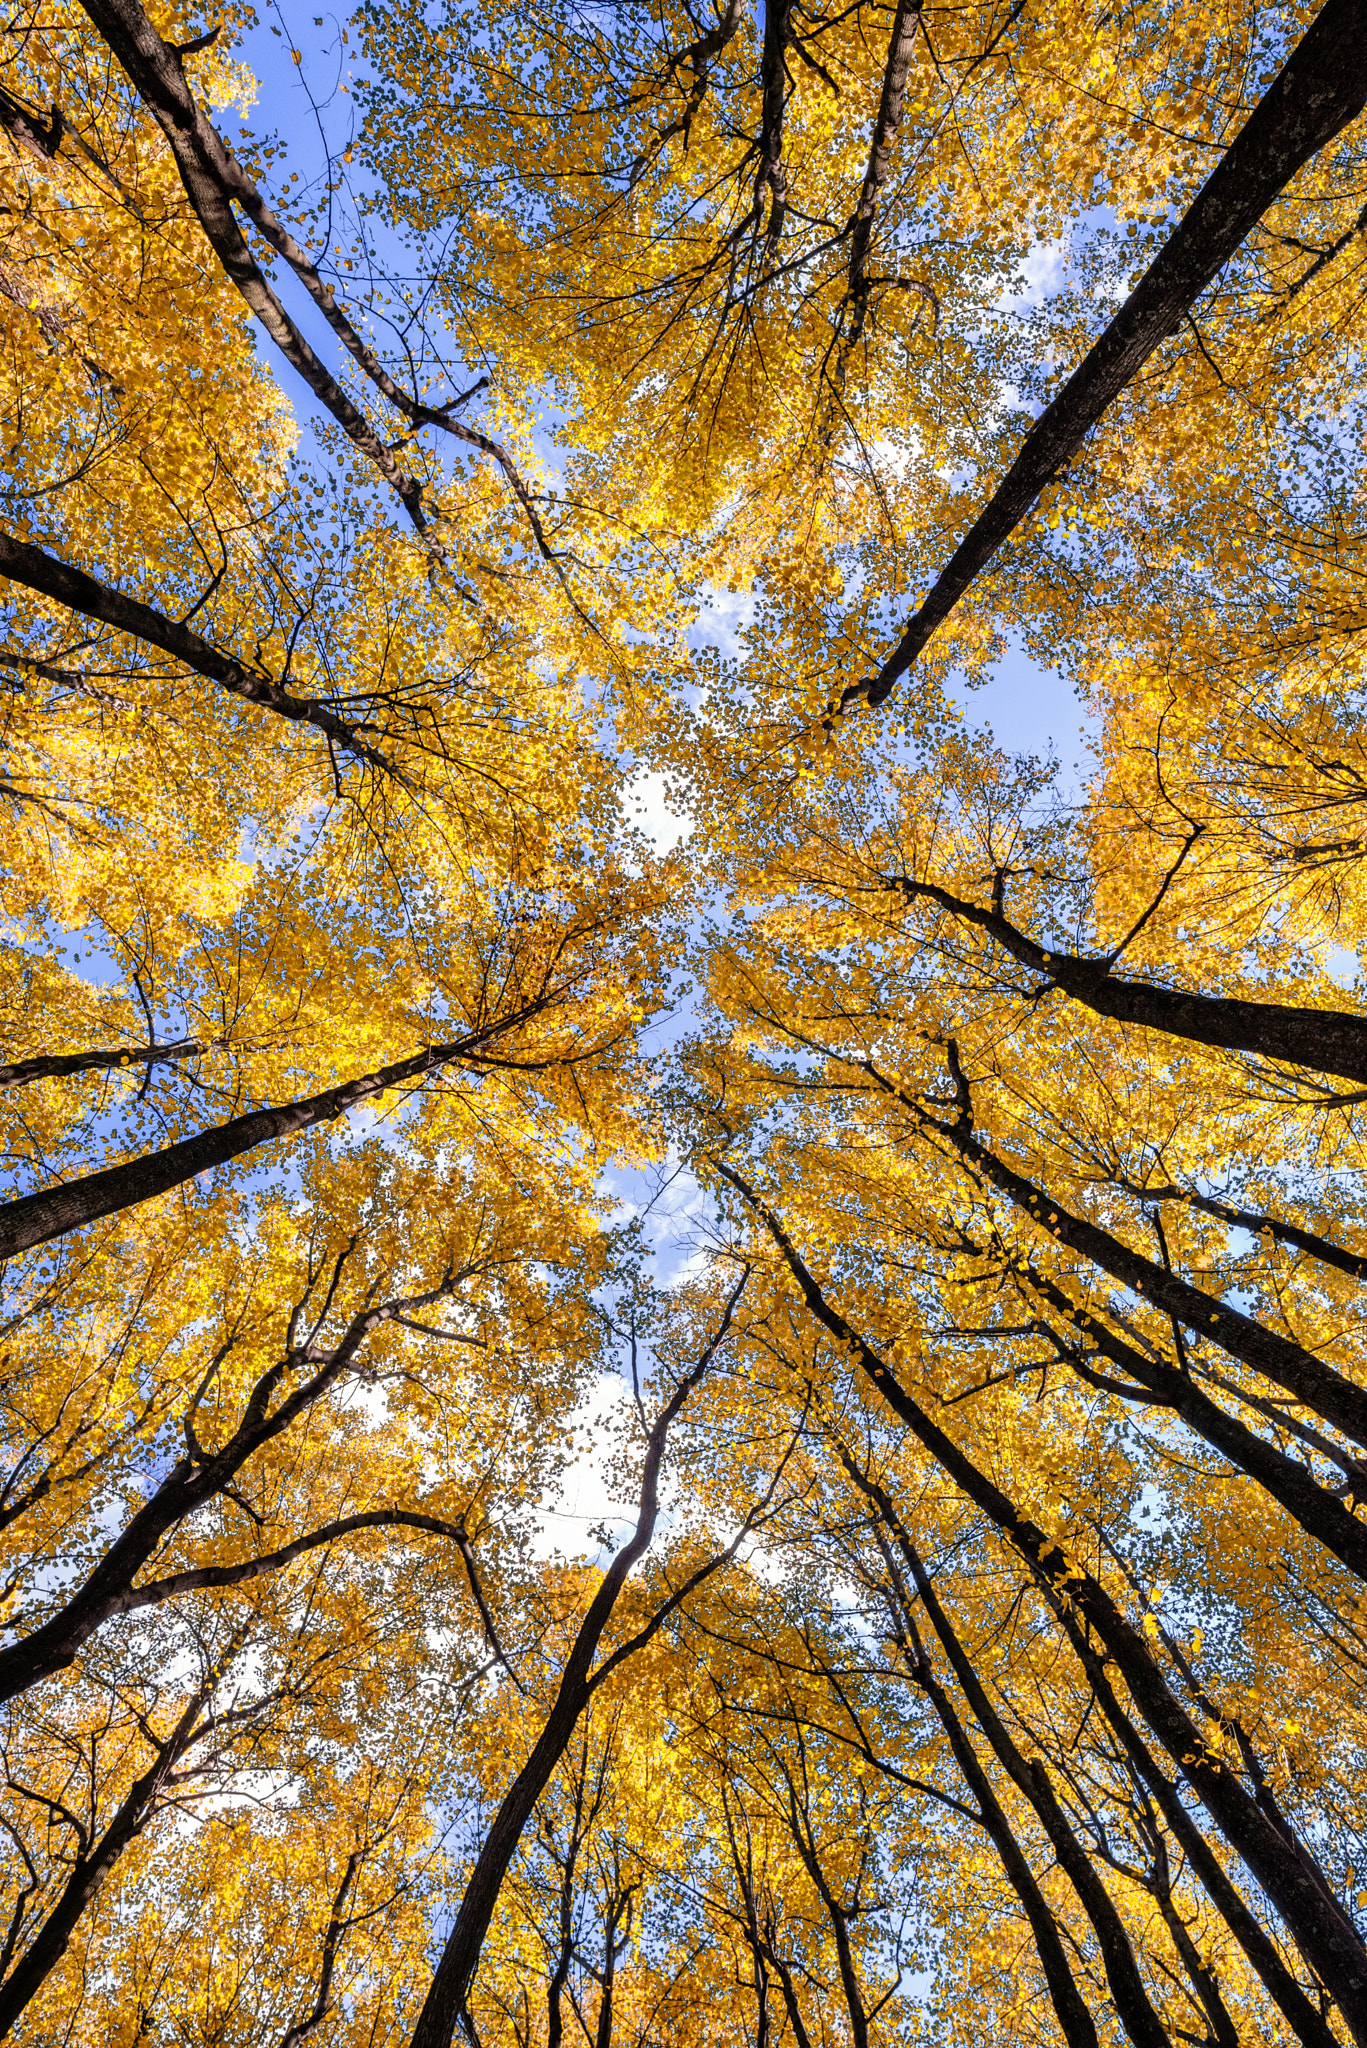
584, 407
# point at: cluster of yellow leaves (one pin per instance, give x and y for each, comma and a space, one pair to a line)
343, 1654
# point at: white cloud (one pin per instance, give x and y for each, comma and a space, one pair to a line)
586, 1497
648, 811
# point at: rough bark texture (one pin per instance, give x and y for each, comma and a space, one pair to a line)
1330, 1041
53, 1211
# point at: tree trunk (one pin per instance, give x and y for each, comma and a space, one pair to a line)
1318, 1923
1319, 90
52, 1212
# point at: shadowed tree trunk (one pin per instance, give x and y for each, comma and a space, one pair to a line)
1319, 90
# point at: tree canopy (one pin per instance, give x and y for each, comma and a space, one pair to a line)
927, 1187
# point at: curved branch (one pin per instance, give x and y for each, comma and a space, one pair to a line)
214, 180
446, 1996
1331, 1041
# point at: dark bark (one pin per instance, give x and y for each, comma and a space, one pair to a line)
772, 174
1329, 1041
618, 1914
1307, 1378
28, 129
1319, 90
1075, 2022
1287, 1873
31, 566
1031, 1779
52, 1212
1311, 1382
93, 1866
214, 182
155, 1591
60, 1066
744, 1867
1259, 1224
799, 1827
205, 168
1158, 1879
695, 58
790, 1999
905, 24
555, 1983
1286, 1994
332, 1939
445, 2001
1320, 1513
585, 1812
192, 1482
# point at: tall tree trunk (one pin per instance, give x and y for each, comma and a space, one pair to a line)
52, 1212
1319, 90
1286, 1870
88, 1873
445, 2001
1031, 1779
1330, 1041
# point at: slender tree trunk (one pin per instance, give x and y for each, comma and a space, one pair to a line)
1072, 2016
1204, 1981
1320, 1513
35, 1219
445, 2001
91, 1869
1031, 1779
901, 44
791, 2006
772, 173
61, 1065
72, 588
1286, 1994
1318, 1923
109, 1589
1075, 2022
1319, 90
1289, 1365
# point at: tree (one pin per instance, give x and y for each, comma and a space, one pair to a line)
983, 1660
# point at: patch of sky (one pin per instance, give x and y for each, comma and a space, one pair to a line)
647, 806
1024, 708
84, 952
1149, 1509
1342, 964
591, 1503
